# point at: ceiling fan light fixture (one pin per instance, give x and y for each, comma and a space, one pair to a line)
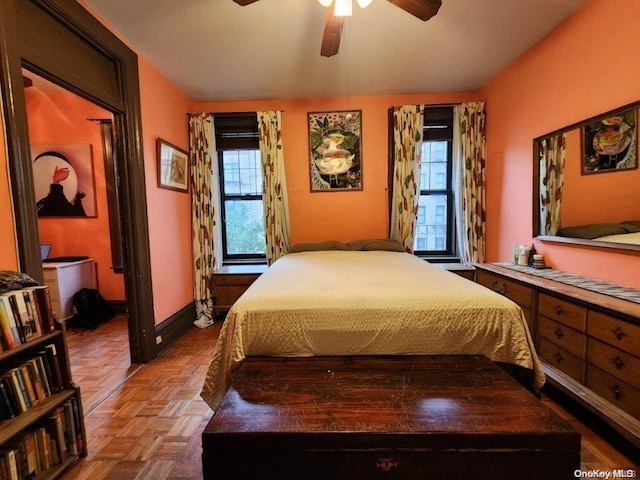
325, 3
364, 3
343, 8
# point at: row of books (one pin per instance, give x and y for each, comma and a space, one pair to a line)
25, 315
52, 440
28, 380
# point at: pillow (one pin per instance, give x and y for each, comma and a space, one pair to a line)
593, 230
376, 244
318, 246
15, 281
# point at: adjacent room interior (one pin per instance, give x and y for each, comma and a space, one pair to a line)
201, 152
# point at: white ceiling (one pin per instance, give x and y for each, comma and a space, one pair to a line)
217, 50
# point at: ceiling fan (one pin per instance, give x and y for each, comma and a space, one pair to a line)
334, 19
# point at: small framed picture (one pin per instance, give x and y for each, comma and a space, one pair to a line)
609, 144
173, 167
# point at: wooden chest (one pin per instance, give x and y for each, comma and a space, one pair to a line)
396, 417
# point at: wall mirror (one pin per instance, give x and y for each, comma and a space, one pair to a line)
586, 179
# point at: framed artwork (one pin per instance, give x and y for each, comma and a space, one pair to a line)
173, 167
63, 180
335, 149
609, 144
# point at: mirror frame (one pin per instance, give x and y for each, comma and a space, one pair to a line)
620, 247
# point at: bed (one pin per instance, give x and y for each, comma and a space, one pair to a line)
344, 302
628, 238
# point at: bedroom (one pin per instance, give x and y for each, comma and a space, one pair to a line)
510, 130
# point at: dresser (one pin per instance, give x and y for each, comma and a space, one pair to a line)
588, 342
64, 279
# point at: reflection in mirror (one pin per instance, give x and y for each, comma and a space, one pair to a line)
587, 181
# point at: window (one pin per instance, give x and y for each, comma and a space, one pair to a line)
435, 228
240, 175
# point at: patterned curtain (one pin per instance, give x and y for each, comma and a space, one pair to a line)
408, 122
552, 161
201, 148
274, 194
473, 151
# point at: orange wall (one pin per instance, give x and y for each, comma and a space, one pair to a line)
8, 251
164, 114
341, 216
61, 118
597, 198
556, 83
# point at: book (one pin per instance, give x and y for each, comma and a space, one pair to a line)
52, 355
8, 388
56, 431
77, 423
36, 379
43, 375
70, 429
43, 448
51, 380
23, 395
13, 314
32, 457
28, 384
43, 299
20, 313
8, 339
17, 391
21, 457
32, 313
12, 466
6, 403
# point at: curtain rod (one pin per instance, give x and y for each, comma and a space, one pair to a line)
214, 113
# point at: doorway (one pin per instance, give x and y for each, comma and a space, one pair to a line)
61, 41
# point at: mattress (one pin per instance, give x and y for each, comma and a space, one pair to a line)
366, 303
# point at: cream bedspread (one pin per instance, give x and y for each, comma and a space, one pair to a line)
629, 238
366, 303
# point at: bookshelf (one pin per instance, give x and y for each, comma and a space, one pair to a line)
42, 429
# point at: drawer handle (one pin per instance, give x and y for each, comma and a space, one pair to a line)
386, 464
618, 333
559, 333
616, 392
501, 291
618, 362
559, 357
558, 309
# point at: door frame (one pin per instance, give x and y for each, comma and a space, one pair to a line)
80, 30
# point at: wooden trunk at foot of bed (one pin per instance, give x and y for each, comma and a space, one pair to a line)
435, 417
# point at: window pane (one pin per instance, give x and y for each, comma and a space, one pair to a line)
433, 167
244, 224
431, 228
242, 172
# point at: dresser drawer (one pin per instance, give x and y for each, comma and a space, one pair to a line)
563, 336
520, 294
615, 362
562, 360
619, 393
614, 331
572, 315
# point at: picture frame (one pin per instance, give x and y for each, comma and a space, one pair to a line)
173, 166
609, 144
335, 151
64, 183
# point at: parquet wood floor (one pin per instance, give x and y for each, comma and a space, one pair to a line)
150, 426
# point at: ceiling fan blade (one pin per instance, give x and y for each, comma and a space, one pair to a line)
245, 2
331, 35
423, 9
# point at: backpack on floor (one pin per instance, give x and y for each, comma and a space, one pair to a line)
90, 310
